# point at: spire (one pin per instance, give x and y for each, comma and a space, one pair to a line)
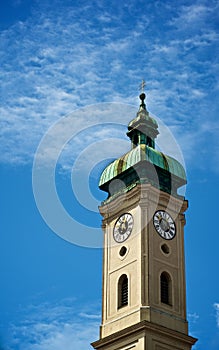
135, 166
143, 128
142, 96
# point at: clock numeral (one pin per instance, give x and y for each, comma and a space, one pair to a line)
168, 235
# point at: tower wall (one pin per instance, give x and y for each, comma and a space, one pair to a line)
144, 291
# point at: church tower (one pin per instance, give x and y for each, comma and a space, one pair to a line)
144, 293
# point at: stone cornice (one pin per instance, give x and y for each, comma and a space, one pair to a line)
142, 328
142, 195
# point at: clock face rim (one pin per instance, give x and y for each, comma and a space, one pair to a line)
129, 230
159, 230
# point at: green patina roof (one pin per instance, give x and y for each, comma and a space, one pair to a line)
142, 153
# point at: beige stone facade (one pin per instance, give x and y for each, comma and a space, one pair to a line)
145, 322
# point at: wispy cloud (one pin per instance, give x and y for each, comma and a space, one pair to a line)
59, 60
193, 15
193, 317
54, 326
216, 307
90, 316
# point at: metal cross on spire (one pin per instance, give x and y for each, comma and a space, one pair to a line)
142, 85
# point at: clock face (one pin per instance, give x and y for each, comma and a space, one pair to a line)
164, 224
123, 227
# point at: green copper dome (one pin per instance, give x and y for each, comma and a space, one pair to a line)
139, 154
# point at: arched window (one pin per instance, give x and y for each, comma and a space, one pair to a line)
165, 288
122, 291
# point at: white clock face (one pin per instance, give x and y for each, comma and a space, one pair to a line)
123, 227
164, 224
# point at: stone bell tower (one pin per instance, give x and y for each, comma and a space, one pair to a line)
144, 293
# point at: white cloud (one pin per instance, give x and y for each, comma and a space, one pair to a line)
56, 336
90, 316
59, 61
216, 307
64, 325
193, 318
191, 16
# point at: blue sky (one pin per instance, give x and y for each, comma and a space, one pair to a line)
70, 72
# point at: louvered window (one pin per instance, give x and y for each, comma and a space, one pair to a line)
123, 291
165, 288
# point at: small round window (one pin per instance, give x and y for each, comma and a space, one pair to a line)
123, 251
165, 249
